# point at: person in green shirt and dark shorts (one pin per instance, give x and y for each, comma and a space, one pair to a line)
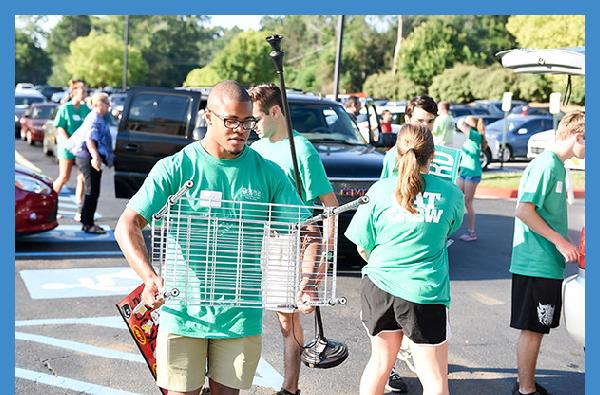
274, 145
190, 337
68, 118
541, 247
405, 289
470, 168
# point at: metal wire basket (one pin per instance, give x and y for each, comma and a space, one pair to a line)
214, 252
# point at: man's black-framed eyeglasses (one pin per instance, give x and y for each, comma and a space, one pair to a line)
234, 123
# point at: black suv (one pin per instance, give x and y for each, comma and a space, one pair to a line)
158, 122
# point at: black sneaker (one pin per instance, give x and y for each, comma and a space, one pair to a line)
539, 390
396, 383
286, 392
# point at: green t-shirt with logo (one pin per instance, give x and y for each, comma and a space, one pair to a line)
408, 253
443, 130
312, 173
542, 184
247, 178
470, 165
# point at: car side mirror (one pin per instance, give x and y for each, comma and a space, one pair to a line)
522, 131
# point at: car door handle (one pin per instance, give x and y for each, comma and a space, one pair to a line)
132, 147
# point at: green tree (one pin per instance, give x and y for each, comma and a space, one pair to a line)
205, 76
68, 28
441, 42
245, 59
98, 60
172, 44
32, 63
547, 31
390, 86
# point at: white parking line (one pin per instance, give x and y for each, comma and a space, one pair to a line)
80, 347
67, 383
485, 299
109, 322
70, 234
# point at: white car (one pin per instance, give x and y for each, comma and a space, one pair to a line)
573, 292
540, 141
570, 61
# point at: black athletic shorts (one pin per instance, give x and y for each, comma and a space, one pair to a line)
536, 303
421, 323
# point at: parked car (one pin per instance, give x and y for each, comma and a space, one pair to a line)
117, 101
24, 97
33, 121
573, 294
49, 90
36, 204
520, 129
458, 110
58, 96
494, 107
529, 110
157, 122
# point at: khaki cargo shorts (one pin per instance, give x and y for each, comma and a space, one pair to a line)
183, 362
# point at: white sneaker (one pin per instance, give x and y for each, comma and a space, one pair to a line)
77, 217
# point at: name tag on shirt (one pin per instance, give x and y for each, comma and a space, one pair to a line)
559, 185
76, 117
211, 198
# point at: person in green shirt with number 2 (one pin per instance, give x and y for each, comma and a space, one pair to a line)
405, 289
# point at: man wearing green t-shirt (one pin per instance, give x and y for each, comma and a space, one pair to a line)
191, 338
541, 247
419, 110
443, 126
274, 145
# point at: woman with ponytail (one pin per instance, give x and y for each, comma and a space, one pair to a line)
470, 168
405, 289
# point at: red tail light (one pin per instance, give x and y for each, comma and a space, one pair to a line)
582, 249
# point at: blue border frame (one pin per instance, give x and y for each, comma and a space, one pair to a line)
271, 7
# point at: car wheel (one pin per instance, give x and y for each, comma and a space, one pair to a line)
485, 158
30, 138
507, 153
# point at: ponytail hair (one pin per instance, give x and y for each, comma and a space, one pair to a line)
477, 124
415, 148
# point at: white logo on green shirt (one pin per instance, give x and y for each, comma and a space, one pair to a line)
425, 205
251, 194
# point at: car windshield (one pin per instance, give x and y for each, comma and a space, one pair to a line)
27, 100
42, 112
322, 121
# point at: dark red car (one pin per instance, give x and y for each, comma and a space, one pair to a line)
34, 119
36, 204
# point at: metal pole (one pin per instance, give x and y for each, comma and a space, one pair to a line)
503, 145
126, 52
338, 58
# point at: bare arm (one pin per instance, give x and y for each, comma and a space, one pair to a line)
128, 234
310, 266
62, 132
364, 254
92, 148
526, 213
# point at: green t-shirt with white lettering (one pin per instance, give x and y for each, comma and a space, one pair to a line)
312, 173
542, 184
408, 253
247, 178
470, 165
